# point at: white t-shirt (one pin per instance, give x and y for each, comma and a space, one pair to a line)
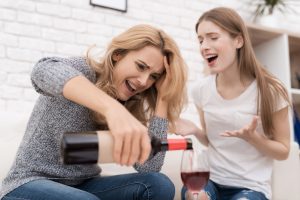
233, 161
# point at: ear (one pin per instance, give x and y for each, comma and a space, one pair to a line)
239, 41
116, 57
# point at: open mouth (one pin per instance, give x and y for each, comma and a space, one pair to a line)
130, 87
211, 59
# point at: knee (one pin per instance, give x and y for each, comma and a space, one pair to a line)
72, 194
81, 195
160, 186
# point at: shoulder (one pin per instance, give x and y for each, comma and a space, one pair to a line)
279, 96
202, 88
280, 101
80, 64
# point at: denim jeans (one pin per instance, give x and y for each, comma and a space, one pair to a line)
221, 192
146, 186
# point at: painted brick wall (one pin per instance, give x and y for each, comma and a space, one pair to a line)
32, 29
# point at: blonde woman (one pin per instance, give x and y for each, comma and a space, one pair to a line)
135, 90
243, 111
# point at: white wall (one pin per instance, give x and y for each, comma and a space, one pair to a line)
31, 29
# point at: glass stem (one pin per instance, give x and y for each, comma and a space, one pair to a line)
195, 195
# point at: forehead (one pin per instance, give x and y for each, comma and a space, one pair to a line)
208, 27
151, 56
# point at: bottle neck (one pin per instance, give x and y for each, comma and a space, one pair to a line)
178, 144
174, 144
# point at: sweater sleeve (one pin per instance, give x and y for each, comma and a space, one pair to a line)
50, 74
157, 128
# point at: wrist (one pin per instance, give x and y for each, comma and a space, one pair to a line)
198, 133
108, 105
256, 138
161, 108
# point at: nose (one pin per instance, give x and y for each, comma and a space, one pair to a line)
143, 79
204, 45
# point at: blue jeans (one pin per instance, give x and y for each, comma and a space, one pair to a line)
154, 186
223, 192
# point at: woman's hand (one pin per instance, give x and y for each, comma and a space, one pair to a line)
186, 127
131, 139
162, 85
164, 81
247, 133
276, 148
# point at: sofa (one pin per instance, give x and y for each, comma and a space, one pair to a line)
285, 180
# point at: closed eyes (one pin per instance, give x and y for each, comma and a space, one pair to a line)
142, 67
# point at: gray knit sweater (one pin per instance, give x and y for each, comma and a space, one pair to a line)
38, 156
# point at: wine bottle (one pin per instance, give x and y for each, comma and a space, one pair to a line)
97, 147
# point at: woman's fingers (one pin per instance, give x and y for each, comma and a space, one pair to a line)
126, 151
118, 146
135, 150
145, 148
230, 134
131, 139
131, 146
253, 124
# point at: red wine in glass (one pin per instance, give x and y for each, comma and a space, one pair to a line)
195, 181
194, 171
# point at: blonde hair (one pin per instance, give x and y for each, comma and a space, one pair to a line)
270, 89
142, 105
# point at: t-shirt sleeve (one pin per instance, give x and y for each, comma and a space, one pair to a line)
198, 92
280, 103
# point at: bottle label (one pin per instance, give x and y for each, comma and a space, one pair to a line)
177, 144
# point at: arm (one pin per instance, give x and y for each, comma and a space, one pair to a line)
186, 127
278, 148
201, 136
57, 77
50, 74
158, 125
131, 141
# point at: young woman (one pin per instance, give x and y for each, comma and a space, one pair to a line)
134, 91
243, 111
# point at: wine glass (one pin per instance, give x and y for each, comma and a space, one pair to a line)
194, 171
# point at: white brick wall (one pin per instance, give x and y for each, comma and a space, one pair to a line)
31, 29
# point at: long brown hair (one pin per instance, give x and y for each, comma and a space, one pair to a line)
142, 105
270, 89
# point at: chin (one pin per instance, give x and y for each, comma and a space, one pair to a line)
123, 97
212, 72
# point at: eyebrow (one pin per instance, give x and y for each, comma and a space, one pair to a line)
140, 61
207, 34
143, 63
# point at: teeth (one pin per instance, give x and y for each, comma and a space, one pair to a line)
131, 85
210, 56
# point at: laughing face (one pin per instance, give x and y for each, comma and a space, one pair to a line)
217, 47
137, 71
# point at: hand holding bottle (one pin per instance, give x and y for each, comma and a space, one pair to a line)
97, 147
131, 139
132, 142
